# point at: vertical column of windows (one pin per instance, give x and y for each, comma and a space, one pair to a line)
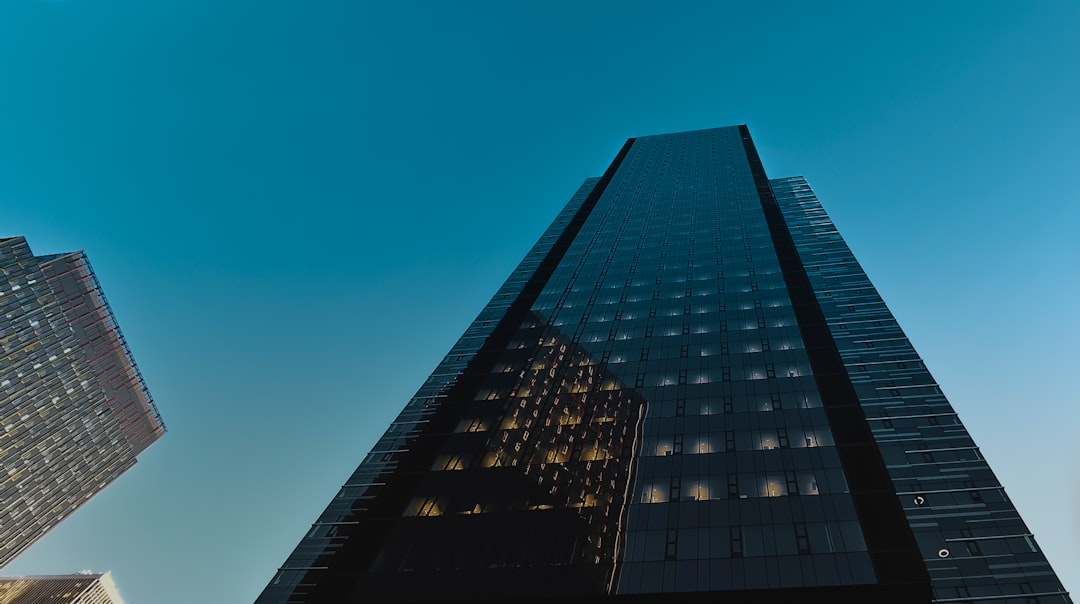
720, 346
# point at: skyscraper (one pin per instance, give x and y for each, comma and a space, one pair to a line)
74, 410
60, 589
687, 386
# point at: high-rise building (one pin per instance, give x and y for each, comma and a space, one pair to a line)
60, 589
74, 411
687, 386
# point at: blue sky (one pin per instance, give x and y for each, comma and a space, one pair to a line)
295, 208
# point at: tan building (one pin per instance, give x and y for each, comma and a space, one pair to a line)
60, 589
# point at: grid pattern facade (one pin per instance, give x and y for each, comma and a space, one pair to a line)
75, 411
689, 386
679, 293
60, 589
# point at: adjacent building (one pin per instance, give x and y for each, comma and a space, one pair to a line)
60, 589
74, 410
687, 388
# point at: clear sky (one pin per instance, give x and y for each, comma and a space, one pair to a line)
295, 208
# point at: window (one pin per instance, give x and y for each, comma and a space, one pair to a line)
473, 425
792, 483
449, 462
653, 494
736, 542
424, 506
802, 538
671, 549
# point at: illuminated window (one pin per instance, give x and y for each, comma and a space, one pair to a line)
698, 491
654, 494
449, 462
424, 506
772, 486
664, 447
473, 425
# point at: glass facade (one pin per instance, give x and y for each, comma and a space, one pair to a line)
971, 539
670, 394
75, 411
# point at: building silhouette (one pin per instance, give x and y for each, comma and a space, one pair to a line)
688, 386
60, 589
74, 411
